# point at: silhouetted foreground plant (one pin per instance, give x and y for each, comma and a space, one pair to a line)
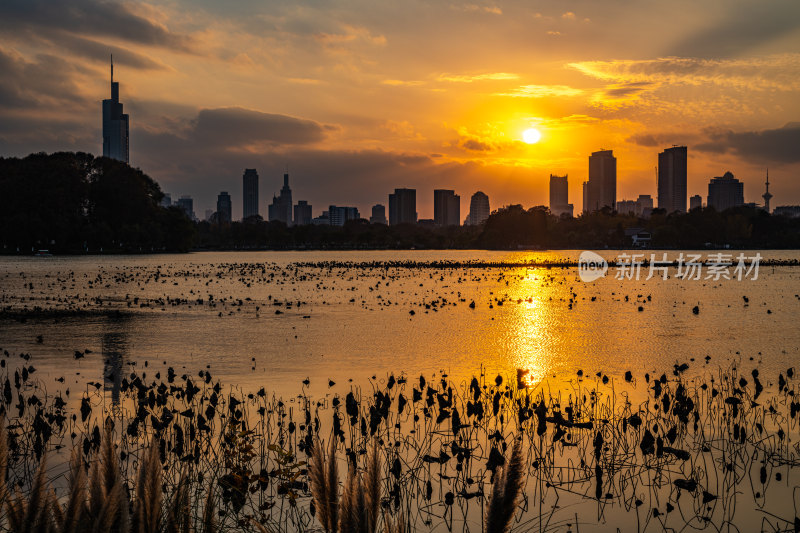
641, 454
358, 508
99, 502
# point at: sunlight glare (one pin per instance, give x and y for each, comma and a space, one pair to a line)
531, 136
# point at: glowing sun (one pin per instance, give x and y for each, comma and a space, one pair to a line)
531, 136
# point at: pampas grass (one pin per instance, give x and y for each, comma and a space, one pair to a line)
324, 477
505, 492
98, 503
359, 507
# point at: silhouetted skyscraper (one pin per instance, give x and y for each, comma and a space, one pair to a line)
249, 193
339, 215
378, 214
478, 209
672, 179
187, 204
403, 207
281, 207
695, 202
559, 196
224, 208
767, 196
115, 125
446, 208
302, 213
725, 192
602, 188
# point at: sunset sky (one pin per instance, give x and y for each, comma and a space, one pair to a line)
360, 97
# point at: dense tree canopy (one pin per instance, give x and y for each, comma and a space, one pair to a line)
73, 202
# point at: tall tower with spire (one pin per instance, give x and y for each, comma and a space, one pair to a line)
767, 196
115, 124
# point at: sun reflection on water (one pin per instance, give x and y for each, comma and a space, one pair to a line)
530, 326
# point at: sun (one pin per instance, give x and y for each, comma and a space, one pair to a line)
531, 136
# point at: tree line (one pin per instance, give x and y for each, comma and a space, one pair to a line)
78, 203
75, 202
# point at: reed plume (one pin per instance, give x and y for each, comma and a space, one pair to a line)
505, 492
147, 509
325, 485
358, 509
398, 526
33, 515
108, 502
3, 460
74, 517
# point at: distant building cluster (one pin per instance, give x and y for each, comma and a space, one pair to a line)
599, 191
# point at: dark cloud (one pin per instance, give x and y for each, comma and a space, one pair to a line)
237, 127
89, 17
100, 52
47, 81
780, 145
627, 90
746, 26
663, 139
475, 145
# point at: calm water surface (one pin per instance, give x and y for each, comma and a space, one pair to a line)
258, 319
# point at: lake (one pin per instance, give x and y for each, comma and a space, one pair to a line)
311, 327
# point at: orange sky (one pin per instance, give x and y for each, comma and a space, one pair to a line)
358, 98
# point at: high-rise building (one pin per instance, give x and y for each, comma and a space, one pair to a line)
281, 207
725, 192
559, 196
249, 193
378, 214
695, 202
115, 125
339, 215
224, 208
602, 188
187, 204
478, 209
322, 220
767, 196
644, 205
403, 207
585, 196
641, 207
446, 208
672, 179
302, 213
166, 201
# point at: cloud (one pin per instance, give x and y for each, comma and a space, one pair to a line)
403, 83
492, 9
100, 52
781, 145
775, 72
235, 127
569, 15
475, 145
457, 78
47, 81
90, 17
747, 26
350, 34
542, 91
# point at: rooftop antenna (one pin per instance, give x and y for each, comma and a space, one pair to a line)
112, 68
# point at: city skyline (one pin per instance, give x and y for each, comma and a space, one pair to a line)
342, 97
